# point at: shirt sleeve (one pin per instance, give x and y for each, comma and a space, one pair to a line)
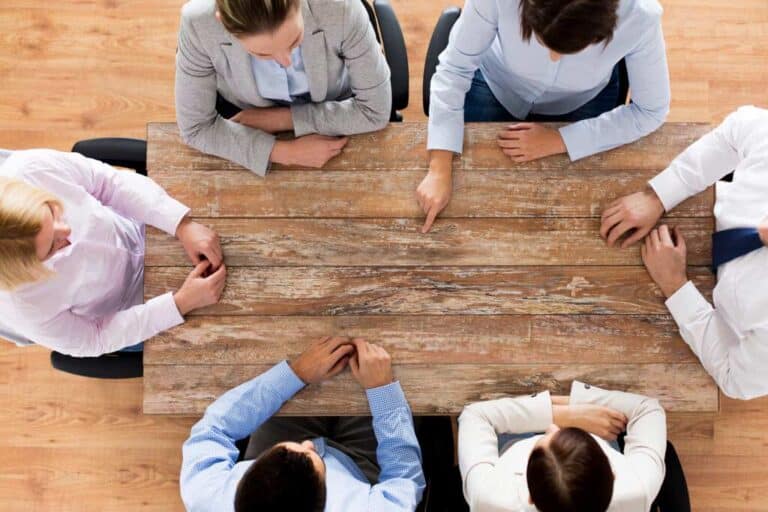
649, 80
130, 194
703, 163
734, 364
210, 453
370, 106
479, 426
90, 338
645, 444
200, 125
471, 36
401, 481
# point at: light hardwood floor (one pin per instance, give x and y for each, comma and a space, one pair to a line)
82, 68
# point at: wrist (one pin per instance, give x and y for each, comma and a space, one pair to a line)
182, 304
441, 162
561, 415
282, 152
183, 223
671, 287
655, 200
296, 369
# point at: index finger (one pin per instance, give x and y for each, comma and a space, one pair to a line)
341, 142
335, 342
431, 215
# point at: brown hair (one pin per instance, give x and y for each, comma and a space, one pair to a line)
281, 479
572, 474
568, 26
254, 16
22, 209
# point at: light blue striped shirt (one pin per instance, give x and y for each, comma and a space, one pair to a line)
210, 474
525, 80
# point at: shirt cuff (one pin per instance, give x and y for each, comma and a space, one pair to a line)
580, 392
169, 214
670, 189
384, 399
165, 313
687, 303
446, 137
283, 380
577, 141
301, 115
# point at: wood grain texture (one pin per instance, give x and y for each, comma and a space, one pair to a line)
342, 194
374, 151
517, 339
459, 242
189, 389
430, 291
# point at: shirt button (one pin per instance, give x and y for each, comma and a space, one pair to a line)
534, 395
587, 386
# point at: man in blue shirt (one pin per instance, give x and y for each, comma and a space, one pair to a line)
304, 471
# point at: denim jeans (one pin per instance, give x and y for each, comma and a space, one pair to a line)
481, 105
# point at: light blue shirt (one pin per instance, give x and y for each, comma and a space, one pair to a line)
525, 80
209, 474
275, 82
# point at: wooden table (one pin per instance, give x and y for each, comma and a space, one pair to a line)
512, 292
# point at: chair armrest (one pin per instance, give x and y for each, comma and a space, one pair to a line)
122, 152
437, 44
393, 42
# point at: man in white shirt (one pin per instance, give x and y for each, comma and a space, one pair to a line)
731, 338
571, 467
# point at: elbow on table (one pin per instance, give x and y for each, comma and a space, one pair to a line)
649, 119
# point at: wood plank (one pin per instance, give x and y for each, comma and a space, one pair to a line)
430, 291
519, 339
373, 151
434, 388
477, 193
399, 242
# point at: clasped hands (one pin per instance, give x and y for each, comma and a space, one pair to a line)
205, 284
596, 419
327, 357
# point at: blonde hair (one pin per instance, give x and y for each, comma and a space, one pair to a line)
22, 210
241, 17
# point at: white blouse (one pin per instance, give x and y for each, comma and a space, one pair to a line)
93, 304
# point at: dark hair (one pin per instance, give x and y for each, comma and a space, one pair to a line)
568, 26
279, 480
572, 474
254, 16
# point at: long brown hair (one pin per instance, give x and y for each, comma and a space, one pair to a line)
241, 17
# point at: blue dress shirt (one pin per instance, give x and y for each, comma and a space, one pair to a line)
525, 80
275, 82
209, 473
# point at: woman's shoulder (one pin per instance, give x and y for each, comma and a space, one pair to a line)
201, 14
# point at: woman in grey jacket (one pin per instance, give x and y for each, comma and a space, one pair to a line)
310, 66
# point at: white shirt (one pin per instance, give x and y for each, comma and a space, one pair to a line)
275, 82
494, 483
731, 339
93, 304
524, 79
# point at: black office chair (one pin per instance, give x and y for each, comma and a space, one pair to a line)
131, 153
439, 41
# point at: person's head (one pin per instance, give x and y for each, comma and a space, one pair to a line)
288, 476
569, 472
31, 231
267, 29
568, 26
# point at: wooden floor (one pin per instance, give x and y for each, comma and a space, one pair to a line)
82, 68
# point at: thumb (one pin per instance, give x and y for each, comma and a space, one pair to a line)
680, 239
200, 268
354, 365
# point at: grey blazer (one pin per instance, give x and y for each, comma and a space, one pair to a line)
346, 70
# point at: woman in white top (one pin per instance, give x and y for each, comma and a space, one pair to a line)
570, 467
72, 254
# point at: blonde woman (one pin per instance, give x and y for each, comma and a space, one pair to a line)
72, 254
248, 69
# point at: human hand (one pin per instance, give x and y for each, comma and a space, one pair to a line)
323, 359
310, 150
523, 142
270, 120
434, 191
595, 419
665, 259
639, 211
201, 288
371, 365
200, 243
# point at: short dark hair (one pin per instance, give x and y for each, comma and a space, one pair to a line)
278, 480
572, 474
568, 26
254, 16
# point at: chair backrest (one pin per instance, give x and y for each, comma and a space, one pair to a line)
437, 44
